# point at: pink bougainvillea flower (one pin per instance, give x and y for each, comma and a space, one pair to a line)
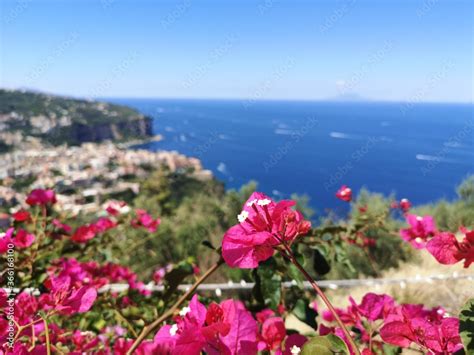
421, 228
84, 342
41, 197
375, 307
440, 338
84, 233
104, 224
466, 248
351, 316
66, 299
215, 325
143, 219
427, 328
80, 273
443, 338
165, 339
22, 349
369, 242
344, 193
243, 250
227, 328
23, 239
91, 273
3, 298
21, 216
6, 240
272, 334
184, 337
263, 224
158, 275
263, 315
293, 344
115, 208
87, 232
402, 325
61, 226
405, 205
147, 347
242, 336
412, 311
26, 307
446, 248
372, 308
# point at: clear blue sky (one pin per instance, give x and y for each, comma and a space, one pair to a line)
417, 50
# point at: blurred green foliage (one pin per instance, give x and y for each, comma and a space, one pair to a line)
194, 212
450, 215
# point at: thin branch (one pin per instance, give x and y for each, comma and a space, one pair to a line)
324, 298
46, 333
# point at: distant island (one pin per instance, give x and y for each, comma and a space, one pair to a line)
31, 117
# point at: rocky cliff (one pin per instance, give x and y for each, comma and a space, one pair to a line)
54, 120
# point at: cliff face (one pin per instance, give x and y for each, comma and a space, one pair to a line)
58, 120
78, 133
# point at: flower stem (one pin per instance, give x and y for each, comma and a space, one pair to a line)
48, 342
169, 313
323, 297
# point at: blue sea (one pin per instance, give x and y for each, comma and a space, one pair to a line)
418, 151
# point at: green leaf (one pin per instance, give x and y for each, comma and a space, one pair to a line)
99, 324
305, 313
208, 244
326, 237
328, 229
267, 288
341, 256
325, 345
391, 350
466, 326
296, 275
320, 264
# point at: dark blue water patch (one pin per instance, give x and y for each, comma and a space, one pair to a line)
419, 151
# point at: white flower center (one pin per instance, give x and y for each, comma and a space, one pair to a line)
251, 203
264, 202
295, 350
184, 311
173, 330
243, 216
419, 218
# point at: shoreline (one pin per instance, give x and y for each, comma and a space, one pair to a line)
135, 142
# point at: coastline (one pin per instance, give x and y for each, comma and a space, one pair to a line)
130, 144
